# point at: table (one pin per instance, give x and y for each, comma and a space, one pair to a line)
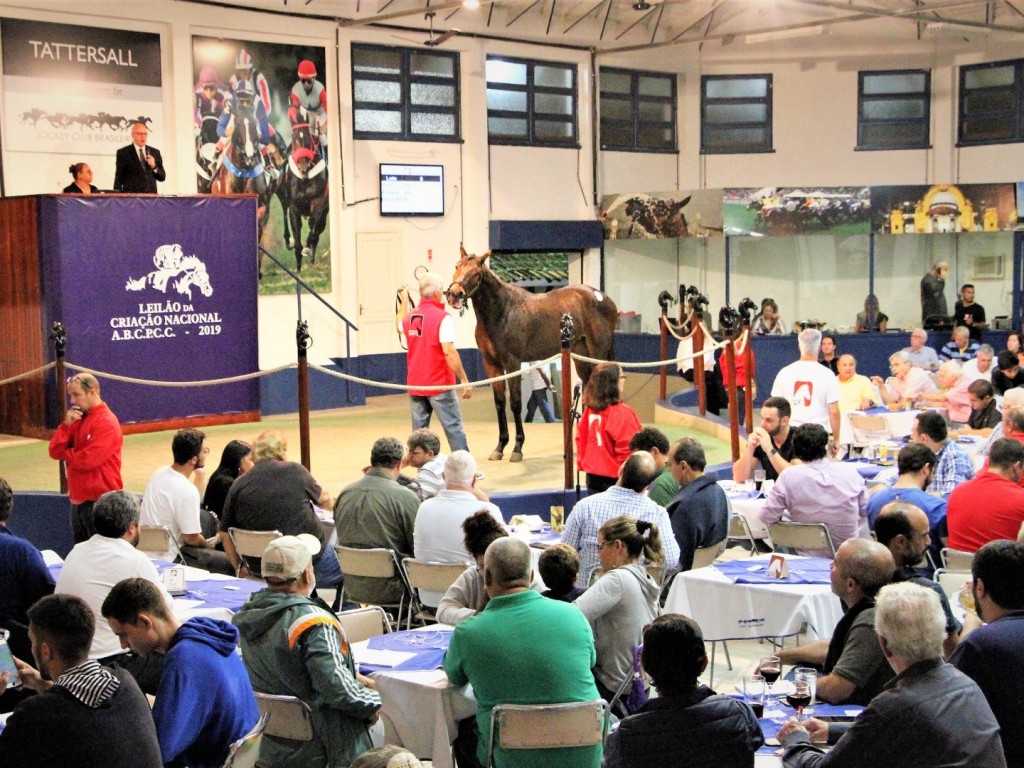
899, 422
729, 611
746, 503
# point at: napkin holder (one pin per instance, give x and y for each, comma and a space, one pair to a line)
174, 580
777, 568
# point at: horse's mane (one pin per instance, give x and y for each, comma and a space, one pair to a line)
192, 262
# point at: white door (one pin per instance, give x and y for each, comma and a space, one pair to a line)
378, 277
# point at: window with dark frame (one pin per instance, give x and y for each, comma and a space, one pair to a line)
735, 114
531, 103
638, 111
991, 109
894, 109
405, 94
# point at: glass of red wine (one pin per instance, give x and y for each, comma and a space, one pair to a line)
799, 696
770, 669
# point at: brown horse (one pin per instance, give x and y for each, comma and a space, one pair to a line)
515, 326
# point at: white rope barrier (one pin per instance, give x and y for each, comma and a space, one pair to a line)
203, 383
432, 387
28, 374
658, 363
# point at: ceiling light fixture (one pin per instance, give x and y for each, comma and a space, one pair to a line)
470, 3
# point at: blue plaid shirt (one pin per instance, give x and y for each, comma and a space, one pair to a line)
953, 467
591, 513
950, 351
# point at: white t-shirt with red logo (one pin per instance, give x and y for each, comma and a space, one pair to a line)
810, 387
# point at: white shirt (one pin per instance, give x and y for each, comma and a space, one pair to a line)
437, 536
171, 500
970, 370
92, 569
431, 476
446, 331
686, 348
810, 388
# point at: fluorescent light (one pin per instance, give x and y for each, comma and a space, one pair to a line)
786, 34
470, 3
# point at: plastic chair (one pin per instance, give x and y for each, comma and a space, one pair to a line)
432, 577
250, 546
547, 726
157, 541
376, 563
246, 751
956, 559
951, 582
802, 536
869, 429
363, 623
288, 717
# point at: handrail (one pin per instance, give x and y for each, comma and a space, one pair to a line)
309, 288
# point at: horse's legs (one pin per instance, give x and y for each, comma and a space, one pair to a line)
517, 412
282, 196
297, 234
499, 407
317, 224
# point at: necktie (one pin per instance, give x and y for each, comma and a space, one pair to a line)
142, 158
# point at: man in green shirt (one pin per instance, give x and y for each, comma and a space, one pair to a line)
664, 487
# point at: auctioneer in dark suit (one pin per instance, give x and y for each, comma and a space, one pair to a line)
134, 177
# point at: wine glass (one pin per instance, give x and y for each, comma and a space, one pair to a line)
799, 696
771, 668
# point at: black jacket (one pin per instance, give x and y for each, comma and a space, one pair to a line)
130, 176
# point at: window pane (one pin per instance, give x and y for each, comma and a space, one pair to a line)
376, 60
987, 129
736, 113
616, 109
619, 134
432, 95
740, 88
615, 82
989, 101
656, 137
987, 77
893, 109
558, 77
895, 136
432, 124
506, 126
379, 91
378, 121
737, 138
902, 82
427, 64
552, 129
655, 113
655, 86
552, 104
511, 72
512, 101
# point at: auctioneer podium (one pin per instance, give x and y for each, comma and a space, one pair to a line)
147, 287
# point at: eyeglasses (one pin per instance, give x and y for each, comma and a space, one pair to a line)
306, 80
602, 544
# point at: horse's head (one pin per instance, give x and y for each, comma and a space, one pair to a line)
304, 146
466, 279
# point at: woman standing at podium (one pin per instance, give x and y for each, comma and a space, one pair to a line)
82, 184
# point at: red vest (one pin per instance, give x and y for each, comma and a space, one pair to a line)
426, 361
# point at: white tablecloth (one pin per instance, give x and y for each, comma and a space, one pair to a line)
899, 424
728, 611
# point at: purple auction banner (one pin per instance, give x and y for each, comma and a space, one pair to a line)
155, 288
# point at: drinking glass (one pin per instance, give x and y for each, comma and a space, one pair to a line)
799, 696
771, 668
759, 478
557, 519
753, 693
810, 676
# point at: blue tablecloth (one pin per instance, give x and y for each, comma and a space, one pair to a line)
428, 645
545, 538
770, 725
803, 570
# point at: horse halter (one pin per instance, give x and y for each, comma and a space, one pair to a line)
466, 295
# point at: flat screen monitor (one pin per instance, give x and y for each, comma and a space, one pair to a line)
411, 190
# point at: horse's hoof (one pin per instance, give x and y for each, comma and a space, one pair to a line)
516, 456
290, 243
307, 252
496, 456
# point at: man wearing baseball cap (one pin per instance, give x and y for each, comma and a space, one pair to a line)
292, 644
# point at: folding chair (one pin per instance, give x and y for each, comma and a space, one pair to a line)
869, 429
246, 751
739, 532
377, 563
956, 559
288, 717
705, 556
952, 582
250, 546
158, 542
432, 577
547, 726
813, 536
363, 623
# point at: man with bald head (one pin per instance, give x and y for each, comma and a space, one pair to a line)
853, 665
88, 441
549, 642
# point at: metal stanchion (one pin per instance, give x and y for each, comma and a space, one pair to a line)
303, 342
58, 335
567, 411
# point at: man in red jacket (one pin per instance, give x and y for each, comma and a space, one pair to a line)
88, 441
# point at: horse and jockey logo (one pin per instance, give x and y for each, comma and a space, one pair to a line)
175, 268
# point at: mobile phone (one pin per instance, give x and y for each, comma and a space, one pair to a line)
835, 718
7, 665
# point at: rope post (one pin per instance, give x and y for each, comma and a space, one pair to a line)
59, 338
566, 337
698, 363
734, 417
303, 342
748, 391
663, 384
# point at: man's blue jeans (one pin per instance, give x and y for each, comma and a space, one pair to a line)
446, 405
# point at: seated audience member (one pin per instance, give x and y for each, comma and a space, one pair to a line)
985, 412
991, 506
205, 701
24, 578
818, 490
871, 318
375, 511
856, 392
952, 394
969, 313
468, 595
981, 366
933, 714
915, 463
920, 355
770, 447
425, 456
904, 529
605, 428
235, 461
1009, 375
768, 323
559, 565
906, 383
553, 652
953, 466
438, 533
664, 486
1012, 416
278, 495
853, 666
829, 357
624, 600
293, 645
1013, 345
960, 347
83, 714
92, 569
686, 712
993, 654
172, 501
626, 497
699, 514
81, 180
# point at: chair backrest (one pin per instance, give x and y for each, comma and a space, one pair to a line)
705, 556
547, 726
432, 577
956, 559
289, 717
363, 623
251, 543
158, 541
802, 536
246, 751
377, 563
951, 582
869, 429
739, 530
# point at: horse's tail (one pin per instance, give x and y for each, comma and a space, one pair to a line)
404, 303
